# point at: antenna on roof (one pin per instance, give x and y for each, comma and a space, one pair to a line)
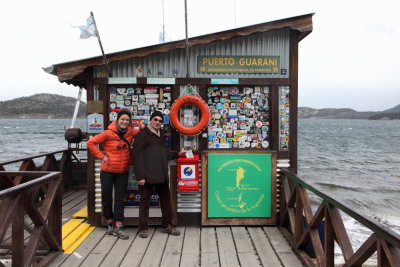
234, 10
163, 24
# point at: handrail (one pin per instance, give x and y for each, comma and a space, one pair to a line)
33, 157
46, 162
300, 225
376, 227
31, 201
25, 186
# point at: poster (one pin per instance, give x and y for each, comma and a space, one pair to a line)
239, 185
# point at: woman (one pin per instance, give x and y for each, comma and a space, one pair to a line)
114, 167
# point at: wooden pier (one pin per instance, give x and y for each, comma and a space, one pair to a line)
32, 211
196, 246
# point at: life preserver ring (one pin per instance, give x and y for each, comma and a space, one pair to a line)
174, 114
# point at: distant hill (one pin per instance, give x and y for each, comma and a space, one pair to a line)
333, 113
347, 113
41, 106
386, 116
396, 109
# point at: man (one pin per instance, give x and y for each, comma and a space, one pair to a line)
150, 158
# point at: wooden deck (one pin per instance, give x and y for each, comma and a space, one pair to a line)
206, 246
196, 246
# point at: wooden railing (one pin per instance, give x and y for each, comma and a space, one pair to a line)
31, 201
48, 162
301, 225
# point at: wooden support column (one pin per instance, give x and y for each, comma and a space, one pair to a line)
18, 256
293, 97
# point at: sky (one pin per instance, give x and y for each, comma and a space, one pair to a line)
350, 60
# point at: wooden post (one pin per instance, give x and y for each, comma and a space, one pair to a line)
18, 256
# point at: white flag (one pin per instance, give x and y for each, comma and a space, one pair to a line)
88, 30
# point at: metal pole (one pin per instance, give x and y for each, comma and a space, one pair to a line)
187, 43
78, 101
101, 46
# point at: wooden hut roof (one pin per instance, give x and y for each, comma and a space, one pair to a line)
71, 72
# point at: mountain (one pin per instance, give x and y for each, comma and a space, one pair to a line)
347, 113
386, 116
333, 113
41, 106
396, 109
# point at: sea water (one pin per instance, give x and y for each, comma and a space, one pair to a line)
357, 162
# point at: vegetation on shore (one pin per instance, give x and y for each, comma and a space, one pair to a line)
43, 106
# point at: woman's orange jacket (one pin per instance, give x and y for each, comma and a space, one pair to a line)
114, 147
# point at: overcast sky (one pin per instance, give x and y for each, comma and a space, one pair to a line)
351, 59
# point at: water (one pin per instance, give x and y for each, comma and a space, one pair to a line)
20, 138
355, 161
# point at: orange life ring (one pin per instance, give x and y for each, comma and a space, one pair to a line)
174, 114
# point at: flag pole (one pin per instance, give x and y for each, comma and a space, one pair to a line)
187, 43
101, 46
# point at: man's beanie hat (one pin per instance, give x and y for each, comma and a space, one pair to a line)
156, 113
124, 111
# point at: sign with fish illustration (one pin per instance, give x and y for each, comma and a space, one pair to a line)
239, 185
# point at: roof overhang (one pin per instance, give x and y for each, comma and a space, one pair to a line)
71, 72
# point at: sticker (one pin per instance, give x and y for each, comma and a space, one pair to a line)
232, 112
248, 91
139, 71
265, 144
113, 105
234, 91
259, 124
246, 99
219, 106
166, 111
113, 116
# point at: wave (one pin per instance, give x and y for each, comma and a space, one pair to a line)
339, 187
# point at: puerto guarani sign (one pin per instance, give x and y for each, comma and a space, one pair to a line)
240, 186
238, 64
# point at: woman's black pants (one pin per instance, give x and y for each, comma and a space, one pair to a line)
120, 183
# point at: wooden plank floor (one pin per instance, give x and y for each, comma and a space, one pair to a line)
196, 246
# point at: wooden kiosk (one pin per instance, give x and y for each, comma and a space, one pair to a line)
249, 79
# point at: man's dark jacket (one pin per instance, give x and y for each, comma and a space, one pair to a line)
150, 157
